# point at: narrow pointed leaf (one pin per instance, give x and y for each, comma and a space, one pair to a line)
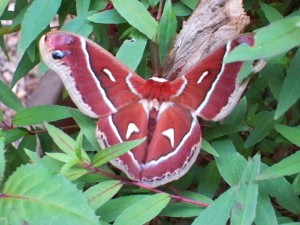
40, 114
222, 205
245, 201
289, 93
102, 192
290, 133
107, 17
277, 38
87, 126
271, 13
8, 98
136, 46
2, 159
231, 172
287, 166
41, 11
61, 139
115, 151
167, 30
144, 210
137, 16
263, 127
265, 213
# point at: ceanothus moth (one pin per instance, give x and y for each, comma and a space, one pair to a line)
129, 107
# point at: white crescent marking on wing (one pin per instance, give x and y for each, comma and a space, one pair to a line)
170, 135
203, 104
154, 163
109, 74
132, 128
130, 86
101, 90
203, 75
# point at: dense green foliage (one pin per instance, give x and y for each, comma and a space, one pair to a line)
248, 173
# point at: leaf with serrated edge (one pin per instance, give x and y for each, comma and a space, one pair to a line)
144, 210
102, 192
115, 151
33, 189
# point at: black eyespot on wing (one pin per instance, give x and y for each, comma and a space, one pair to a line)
58, 54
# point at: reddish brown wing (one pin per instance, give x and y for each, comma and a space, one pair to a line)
96, 81
211, 89
169, 151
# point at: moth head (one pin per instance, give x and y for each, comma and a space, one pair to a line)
58, 48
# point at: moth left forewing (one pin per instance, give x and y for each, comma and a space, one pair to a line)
96, 81
212, 89
174, 146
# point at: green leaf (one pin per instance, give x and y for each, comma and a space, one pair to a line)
231, 172
287, 166
222, 205
208, 148
33, 189
277, 38
222, 130
23, 67
144, 210
136, 46
271, 13
41, 11
115, 151
8, 98
282, 191
209, 180
107, 17
14, 134
39, 114
80, 25
137, 16
82, 6
113, 208
61, 139
102, 192
245, 201
263, 127
190, 3
167, 30
181, 209
3, 5
265, 213
2, 159
290, 133
87, 126
289, 93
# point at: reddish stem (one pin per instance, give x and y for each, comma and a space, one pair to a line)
135, 183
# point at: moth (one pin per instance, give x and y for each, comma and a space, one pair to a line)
129, 107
